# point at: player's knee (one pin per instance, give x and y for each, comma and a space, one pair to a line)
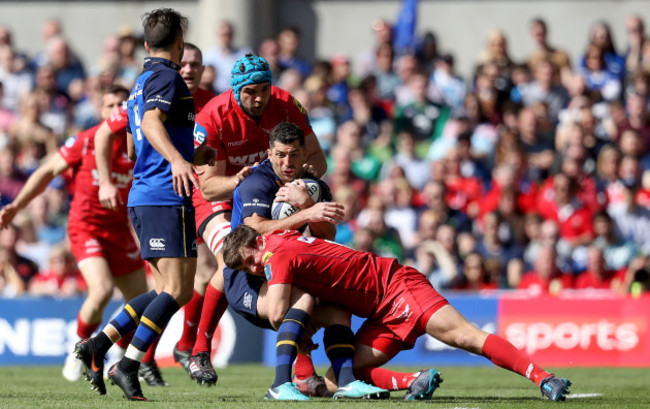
99, 296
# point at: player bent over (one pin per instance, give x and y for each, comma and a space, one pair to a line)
100, 239
398, 301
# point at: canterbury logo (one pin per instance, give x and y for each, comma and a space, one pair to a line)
157, 244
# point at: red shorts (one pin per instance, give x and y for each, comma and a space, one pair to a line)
204, 209
402, 316
117, 246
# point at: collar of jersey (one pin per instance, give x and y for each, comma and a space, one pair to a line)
150, 61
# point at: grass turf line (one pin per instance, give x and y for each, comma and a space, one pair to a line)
243, 386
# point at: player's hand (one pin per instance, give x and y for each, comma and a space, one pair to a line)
330, 212
311, 170
183, 177
296, 194
245, 171
109, 196
205, 155
7, 214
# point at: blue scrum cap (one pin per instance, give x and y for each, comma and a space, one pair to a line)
248, 70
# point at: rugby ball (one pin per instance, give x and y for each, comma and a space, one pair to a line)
280, 210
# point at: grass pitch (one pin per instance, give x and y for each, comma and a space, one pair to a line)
243, 386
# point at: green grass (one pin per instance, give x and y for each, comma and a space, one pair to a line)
243, 386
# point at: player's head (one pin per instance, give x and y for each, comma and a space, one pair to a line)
250, 79
163, 30
287, 151
242, 250
192, 66
112, 98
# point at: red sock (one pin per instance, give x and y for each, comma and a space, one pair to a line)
84, 329
506, 355
384, 378
214, 305
192, 312
151, 352
303, 368
125, 340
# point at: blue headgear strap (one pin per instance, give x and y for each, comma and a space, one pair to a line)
248, 70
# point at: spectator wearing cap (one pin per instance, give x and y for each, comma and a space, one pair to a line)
223, 56
632, 221
598, 276
544, 51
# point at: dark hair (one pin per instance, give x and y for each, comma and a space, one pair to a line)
116, 89
192, 47
162, 27
242, 236
540, 21
287, 133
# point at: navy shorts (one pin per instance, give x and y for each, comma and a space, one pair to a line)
242, 290
165, 231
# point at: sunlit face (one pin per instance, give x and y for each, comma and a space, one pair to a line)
287, 160
192, 69
109, 103
254, 98
252, 260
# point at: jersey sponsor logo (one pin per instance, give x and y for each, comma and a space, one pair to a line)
121, 180
157, 244
256, 202
195, 245
268, 272
308, 240
199, 133
237, 143
266, 256
247, 159
70, 141
397, 307
116, 115
134, 255
158, 98
248, 301
191, 116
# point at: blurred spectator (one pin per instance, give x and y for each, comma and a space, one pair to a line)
544, 89
7, 119
446, 87
416, 170
638, 119
29, 130
384, 73
423, 118
15, 77
475, 275
427, 52
55, 106
433, 196
314, 99
66, 65
631, 220
598, 276
546, 278
607, 168
340, 172
618, 252
463, 193
129, 64
437, 259
496, 52
341, 79
635, 38
61, 279
11, 180
269, 50
346, 229
508, 256
406, 66
223, 56
290, 80
540, 151
597, 76
545, 52
400, 214
289, 41
383, 32
16, 271
365, 111
387, 242
600, 35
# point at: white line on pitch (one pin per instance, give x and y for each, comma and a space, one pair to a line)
584, 395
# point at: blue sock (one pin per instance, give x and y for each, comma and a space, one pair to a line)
339, 347
286, 348
153, 321
126, 321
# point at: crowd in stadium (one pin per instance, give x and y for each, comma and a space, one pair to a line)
529, 174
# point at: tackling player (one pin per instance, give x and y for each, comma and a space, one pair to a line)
237, 123
398, 301
100, 240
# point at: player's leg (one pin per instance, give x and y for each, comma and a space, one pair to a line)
100, 288
450, 327
205, 268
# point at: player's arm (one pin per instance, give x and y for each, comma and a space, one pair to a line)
154, 130
322, 212
215, 185
35, 185
130, 147
278, 300
109, 195
316, 160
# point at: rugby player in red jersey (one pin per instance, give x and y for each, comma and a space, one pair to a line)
398, 301
237, 124
100, 239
